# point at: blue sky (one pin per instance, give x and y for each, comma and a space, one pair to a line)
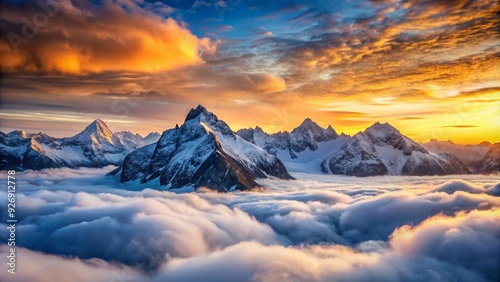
430, 68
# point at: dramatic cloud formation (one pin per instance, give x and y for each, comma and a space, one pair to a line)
434, 61
316, 228
87, 37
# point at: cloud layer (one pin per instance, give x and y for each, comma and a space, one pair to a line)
316, 228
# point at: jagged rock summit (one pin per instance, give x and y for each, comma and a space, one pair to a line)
202, 152
306, 137
380, 150
95, 146
490, 163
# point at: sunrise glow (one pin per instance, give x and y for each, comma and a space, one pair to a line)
429, 68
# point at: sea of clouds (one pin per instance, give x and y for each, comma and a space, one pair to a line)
80, 225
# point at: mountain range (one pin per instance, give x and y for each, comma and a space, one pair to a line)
95, 146
202, 152
380, 150
205, 152
481, 158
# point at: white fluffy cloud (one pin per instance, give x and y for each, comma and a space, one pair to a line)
317, 228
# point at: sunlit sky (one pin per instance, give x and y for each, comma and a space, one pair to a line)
429, 68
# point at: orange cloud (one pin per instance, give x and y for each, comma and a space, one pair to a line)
266, 82
91, 38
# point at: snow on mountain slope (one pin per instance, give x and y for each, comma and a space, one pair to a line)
357, 157
203, 152
490, 163
136, 166
391, 158
310, 161
95, 146
470, 155
381, 149
97, 132
132, 141
272, 143
386, 134
434, 164
307, 136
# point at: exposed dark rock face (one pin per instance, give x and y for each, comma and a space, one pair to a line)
424, 164
471, 155
96, 146
306, 136
381, 149
357, 158
203, 152
490, 163
386, 134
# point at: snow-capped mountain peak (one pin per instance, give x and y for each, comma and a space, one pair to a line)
98, 126
259, 129
472, 155
381, 130
195, 112
380, 149
203, 151
386, 134
307, 124
309, 127
18, 133
201, 117
311, 130
331, 131
305, 137
97, 132
95, 146
490, 163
